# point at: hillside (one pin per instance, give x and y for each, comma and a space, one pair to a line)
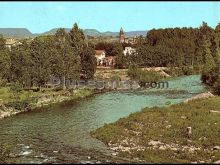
16, 32
24, 33
96, 33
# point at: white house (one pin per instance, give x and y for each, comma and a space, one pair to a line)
11, 42
100, 56
129, 50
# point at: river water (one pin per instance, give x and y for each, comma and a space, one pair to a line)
61, 133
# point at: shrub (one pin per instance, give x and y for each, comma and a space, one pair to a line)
3, 82
19, 105
58, 88
3, 154
187, 70
143, 76
15, 87
217, 86
212, 79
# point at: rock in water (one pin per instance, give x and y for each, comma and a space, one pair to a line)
200, 96
217, 162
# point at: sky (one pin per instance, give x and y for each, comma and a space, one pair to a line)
39, 16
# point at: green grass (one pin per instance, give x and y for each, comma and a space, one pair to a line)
23, 98
151, 124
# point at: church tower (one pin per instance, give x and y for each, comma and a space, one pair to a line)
121, 36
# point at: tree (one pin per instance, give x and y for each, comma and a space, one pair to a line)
77, 38
2, 42
88, 61
21, 65
118, 52
209, 60
5, 61
41, 51
84, 50
69, 65
217, 44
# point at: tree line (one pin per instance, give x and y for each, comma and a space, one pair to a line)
185, 50
64, 55
169, 47
173, 47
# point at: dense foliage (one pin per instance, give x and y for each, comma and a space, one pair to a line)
32, 63
143, 76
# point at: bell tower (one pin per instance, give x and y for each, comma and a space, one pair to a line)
121, 36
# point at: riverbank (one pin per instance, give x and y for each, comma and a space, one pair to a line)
110, 73
182, 133
23, 101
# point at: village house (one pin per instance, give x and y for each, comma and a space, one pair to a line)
100, 56
110, 61
11, 42
131, 40
129, 51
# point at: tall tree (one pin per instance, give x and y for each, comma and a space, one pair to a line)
5, 61
85, 51
118, 52
21, 65
69, 59
41, 55
209, 60
77, 38
88, 62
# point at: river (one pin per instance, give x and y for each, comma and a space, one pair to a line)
61, 133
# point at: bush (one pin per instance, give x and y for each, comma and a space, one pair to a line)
187, 70
58, 88
133, 72
19, 105
174, 71
212, 79
217, 86
184, 70
15, 87
3, 82
143, 76
3, 154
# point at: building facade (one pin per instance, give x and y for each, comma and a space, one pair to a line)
121, 36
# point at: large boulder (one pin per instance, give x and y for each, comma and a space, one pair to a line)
200, 96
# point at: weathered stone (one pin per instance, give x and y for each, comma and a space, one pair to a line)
212, 111
174, 149
168, 126
216, 148
217, 162
200, 96
162, 148
114, 154
154, 143
189, 131
191, 150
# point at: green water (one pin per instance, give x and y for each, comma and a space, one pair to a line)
62, 133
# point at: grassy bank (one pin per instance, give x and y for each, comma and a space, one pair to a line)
159, 135
13, 102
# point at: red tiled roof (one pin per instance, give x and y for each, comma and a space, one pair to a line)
110, 57
99, 52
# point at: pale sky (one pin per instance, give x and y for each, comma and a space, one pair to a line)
107, 16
